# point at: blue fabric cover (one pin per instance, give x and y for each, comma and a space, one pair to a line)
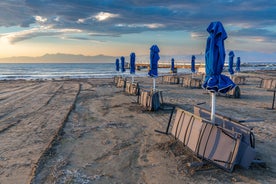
117, 65
214, 60
172, 64
154, 57
230, 65
193, 64
123, 64
132, 63
238, 64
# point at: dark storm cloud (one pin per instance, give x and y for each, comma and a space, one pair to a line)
134, 16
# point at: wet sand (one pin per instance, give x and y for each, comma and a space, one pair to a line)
89, 131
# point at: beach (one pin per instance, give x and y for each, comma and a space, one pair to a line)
90, 131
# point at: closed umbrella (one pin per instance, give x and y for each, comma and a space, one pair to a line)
132, 65
193, 65
230, 64
117, 64
238, 64
154, 57
172, 65
123, 64
215, 82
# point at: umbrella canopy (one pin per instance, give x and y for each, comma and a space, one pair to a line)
123, 64
193, 64
238, 64
132, 63
154, 57
172, 64
117, 65
214, 60
230, 64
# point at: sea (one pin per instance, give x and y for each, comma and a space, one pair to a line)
50, 71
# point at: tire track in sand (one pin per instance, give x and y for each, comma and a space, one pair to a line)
38, 119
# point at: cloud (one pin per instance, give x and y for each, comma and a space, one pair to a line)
107, 17
15, 37
40, 19
102, 16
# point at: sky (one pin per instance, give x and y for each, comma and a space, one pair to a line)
119, 27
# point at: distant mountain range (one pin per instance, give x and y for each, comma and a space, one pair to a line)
246, 57
60, 58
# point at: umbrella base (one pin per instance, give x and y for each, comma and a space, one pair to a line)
132, 88
170, 79
268, 83
191, 82
239, 80
151, 100
119, 81
234, 93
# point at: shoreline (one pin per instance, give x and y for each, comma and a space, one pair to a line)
106, 137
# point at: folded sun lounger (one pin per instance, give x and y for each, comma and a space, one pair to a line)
217, 144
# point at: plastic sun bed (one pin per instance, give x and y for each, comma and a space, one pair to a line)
225, 144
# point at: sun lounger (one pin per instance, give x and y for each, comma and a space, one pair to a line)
171, 79
273, 99
116, 79
235, 92
121, 83
247, 149
132, 88
190, 82
240, 80
206, 140
151, 100
268, 83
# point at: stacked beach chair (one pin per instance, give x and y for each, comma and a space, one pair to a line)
191, 81
170, 79
150, 100
270, 85
225, 144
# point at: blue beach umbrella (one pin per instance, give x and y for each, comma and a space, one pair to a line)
132, 65
230, 64
214, 62
238, 64
123, 64
117, 65
154, 57
193, 64
172, 65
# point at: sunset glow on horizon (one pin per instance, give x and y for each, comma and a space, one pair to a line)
35, 27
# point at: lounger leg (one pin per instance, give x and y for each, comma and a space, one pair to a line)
168, 126
273, 100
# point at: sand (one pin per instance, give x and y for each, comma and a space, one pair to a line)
89, 131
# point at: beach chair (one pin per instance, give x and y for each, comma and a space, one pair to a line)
170, 79
121, 83
269, 85
191, 82
224, 144
240, 80
208, 141
132, 88
247, 151
150, 100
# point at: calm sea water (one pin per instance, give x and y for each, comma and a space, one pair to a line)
13, 71
27, 71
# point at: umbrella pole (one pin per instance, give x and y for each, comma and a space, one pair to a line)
132, 79
213, 108
153, 84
